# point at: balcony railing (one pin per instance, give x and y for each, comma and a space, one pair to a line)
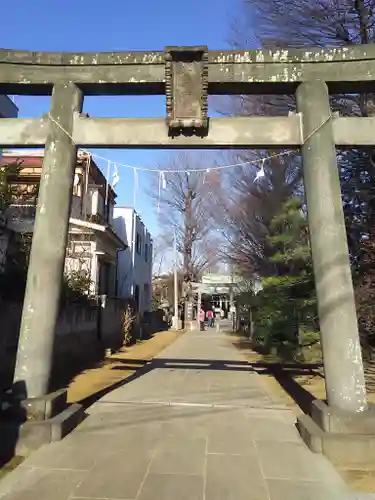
21, 216
97, 219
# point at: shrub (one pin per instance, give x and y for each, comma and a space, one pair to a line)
128, 319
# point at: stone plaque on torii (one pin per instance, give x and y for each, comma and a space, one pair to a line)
186, 83
186, 76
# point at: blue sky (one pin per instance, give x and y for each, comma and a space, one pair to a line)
93, 25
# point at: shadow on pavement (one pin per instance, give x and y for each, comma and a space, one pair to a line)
144, 367
282, 372
12, 415
153, 413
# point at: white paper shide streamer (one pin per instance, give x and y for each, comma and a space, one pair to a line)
162, 185
107, 181
260, 172
115, 176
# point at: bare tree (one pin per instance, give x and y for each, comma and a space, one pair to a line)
160, 258
246, 207
323, 23
163, 288
288, 24
184, 205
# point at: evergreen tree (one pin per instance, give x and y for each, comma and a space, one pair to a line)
322, 23
287, 303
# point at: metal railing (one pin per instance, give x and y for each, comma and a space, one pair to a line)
25, 212
18, 211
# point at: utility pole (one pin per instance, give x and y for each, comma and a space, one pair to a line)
188, 241
175, 281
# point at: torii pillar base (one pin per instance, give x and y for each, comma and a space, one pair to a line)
26, 424
347, 439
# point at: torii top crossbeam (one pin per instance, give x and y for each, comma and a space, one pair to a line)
187, 75
228, 72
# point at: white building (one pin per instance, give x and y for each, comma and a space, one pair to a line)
7, 110
92, 243
134, 264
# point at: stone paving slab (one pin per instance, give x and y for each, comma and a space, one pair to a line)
211, 432
235, 476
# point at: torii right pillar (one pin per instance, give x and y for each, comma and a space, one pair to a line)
330, 428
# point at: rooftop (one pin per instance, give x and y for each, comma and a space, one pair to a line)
33, 157
8, 109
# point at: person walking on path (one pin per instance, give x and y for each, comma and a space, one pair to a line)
213, 316
201, 320
217, 319
210, 316
183, 317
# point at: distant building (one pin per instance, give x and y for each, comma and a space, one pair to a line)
92, 243
134, 264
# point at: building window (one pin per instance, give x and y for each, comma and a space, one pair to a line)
104, 278
146, 291
138, 244
136, 297
146, 252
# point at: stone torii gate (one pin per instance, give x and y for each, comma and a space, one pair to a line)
186, 75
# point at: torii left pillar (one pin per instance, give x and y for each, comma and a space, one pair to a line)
47, 258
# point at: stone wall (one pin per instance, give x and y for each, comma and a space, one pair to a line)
83, 334
111, 320
10, 314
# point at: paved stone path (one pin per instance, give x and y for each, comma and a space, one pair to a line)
199, 425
